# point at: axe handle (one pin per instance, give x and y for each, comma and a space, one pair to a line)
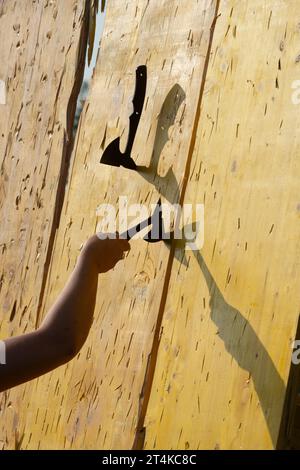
138, 103
133, 230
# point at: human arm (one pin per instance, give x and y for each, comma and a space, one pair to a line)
66, 325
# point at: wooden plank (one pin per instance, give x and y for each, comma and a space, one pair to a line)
40, 56
93, 402
230, 318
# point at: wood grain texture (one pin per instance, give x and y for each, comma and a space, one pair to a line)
231, 310
93, 402
231, 316
39, 55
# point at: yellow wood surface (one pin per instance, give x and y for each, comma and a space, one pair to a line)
93, 402
230, 318
38, 56
231, 311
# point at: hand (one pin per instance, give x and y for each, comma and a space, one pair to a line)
104, 253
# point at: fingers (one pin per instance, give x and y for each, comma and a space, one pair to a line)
115, 239
121, 249
121, 246
124, 244
116, 257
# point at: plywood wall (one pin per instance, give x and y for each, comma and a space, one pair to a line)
230, 318
187, 349
40, 55
95, 399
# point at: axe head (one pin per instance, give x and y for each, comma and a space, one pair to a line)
158, 233
112, 156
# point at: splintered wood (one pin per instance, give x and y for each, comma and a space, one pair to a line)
38, 55
222, 102
95, 399
126, 312
230, 318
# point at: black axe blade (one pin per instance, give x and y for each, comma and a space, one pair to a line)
112, 154
157, 233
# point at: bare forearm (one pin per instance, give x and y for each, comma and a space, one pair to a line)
70, 318
27, 357
66, 325
60, 336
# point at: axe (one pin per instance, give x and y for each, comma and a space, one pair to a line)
157, 233
112, 154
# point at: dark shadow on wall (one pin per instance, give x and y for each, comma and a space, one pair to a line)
243, 344
166, 185
240, 340
289, 435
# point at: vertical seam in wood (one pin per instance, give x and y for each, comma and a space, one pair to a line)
68, 145
145, 394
